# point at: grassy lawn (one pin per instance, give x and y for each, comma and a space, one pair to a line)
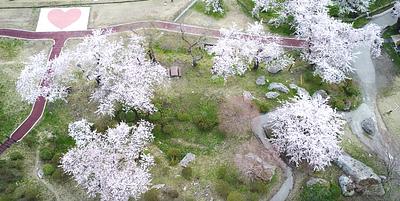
389, 47
200, 7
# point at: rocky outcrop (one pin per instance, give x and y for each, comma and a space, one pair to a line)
364, 178
187, 159
368, 125
346, 185
272, 95
260, 81
278, 87
254, 167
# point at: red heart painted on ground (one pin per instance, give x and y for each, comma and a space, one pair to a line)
62, 19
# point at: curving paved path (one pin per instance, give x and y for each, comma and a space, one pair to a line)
59, 39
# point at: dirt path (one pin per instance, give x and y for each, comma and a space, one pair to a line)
37, 168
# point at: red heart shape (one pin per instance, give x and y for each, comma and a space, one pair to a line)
62, 19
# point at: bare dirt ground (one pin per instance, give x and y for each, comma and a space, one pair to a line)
236, 115
234, 15
103, 15
25, 18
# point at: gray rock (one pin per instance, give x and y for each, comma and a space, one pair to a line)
302, 92
368, 125
187, 159
322, 93
279, 87
358, 171
272, 95
347, 186
253, 167
260, 81
273, 69
247, 96
365, 180
313, 180
383, 178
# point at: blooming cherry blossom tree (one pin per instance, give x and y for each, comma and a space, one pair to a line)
41, 77
123, 74
307, 129
353, 6
213, 6
237, 50
331, 42
112, 165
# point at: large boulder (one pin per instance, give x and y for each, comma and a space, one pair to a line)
260, 81
272, 95
365, 179
254, 167
187, 159
347, 185
322, 93
278, 87
368, 125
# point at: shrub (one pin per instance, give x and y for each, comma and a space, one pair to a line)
46, 153
187, 173
57, 175
235, 196
152, 195
182, 116
206, 117
320, 192
222, 188
334, 10
16, 156
48, 169
258, 187
228, 174
168, 129
174, 155
172, 193
155, 117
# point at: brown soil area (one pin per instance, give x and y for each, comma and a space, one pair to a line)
235, 115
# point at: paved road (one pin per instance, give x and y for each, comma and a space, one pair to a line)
59, 39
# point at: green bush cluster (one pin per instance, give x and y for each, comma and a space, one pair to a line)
320, 192
151, 195
187, 173
9, 48
230, 186
48, 169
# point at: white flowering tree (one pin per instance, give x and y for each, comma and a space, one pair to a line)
308, 130
41, 77
237, 50
213, 6
122, 72
331, 42
112, 165
354, 6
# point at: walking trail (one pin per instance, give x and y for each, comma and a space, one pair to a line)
59, 39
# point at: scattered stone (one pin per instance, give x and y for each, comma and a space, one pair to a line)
279, 87
247, 95
313, 180
293, 86
272, 95
187, 159
368, 125
365, 179
347, 186
273, 69
260, 81
322, 93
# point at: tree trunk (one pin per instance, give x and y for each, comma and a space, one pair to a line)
256, 64
398, 25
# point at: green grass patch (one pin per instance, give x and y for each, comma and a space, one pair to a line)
200, 7
389, 48
9, 48
320, 192
360, 22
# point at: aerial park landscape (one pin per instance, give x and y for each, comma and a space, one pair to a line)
200, 100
